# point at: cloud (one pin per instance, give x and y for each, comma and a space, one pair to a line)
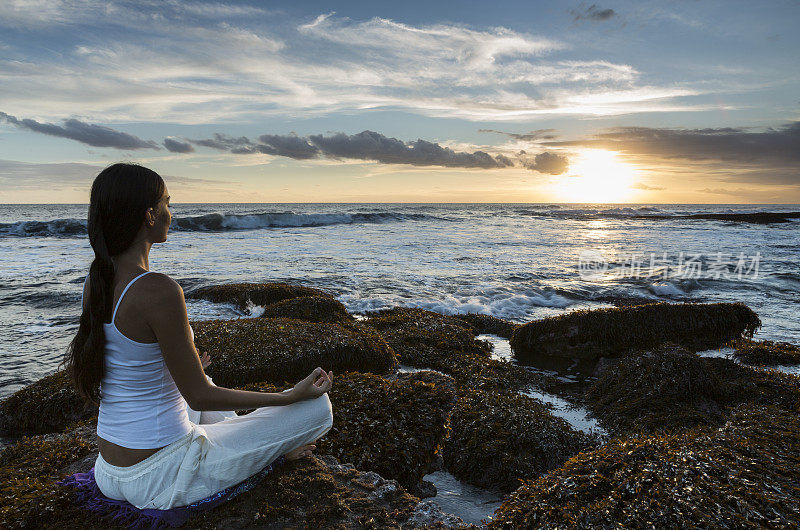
288, 145
176, 146
641, 186
538, 134
593, 13
223, 142
29, 176
772, 146
89, 134
549, 163
369, 145
186, 62
366, 145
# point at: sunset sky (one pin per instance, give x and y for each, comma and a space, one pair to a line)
647, 102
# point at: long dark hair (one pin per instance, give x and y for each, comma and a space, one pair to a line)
120, 196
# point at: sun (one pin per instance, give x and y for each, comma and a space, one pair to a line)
597, 176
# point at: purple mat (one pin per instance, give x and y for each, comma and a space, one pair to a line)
89, 496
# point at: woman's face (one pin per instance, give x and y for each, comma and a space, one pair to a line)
163, 218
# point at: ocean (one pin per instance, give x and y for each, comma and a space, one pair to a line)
517, 261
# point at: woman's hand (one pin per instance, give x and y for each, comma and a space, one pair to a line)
314, 385
205, 360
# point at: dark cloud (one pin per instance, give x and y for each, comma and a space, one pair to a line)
539, 134
593, 13
223, 142
87, 133
550, 163
176, 146
366, 145
288, 145
370, 145
773, 146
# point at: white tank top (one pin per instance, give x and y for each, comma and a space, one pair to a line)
140, 406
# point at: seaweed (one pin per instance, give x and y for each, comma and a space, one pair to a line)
498, 438
29, 470
488, 324
44, 406
765, 352
261, 294
311, 308
314, 492
744, 474
285, 349
591, 334
671, 388
427, 339
391, 427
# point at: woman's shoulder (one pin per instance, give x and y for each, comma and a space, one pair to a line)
159, 282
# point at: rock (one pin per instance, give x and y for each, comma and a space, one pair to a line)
426, 339
311, 492
424, 489
310, 308
591, 334
393, 427
499, 437
278, 350
428, 513
44, 406
242, 295
765, 352
488, 324
742, 475
29, 470
672, 388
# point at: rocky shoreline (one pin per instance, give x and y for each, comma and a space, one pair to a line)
693, 441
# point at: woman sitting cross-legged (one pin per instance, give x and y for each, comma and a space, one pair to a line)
165, 439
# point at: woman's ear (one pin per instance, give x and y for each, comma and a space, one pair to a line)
149, 213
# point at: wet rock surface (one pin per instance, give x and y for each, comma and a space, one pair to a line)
671, 388
765, 352
47, 405
497, 438
278, 350
741, 475
391, 426
242, 295
591, 334
310, 308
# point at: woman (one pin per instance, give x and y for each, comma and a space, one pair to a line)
160, 444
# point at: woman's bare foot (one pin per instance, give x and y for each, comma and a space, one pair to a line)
301, 452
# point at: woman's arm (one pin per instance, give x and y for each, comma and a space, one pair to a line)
169, 321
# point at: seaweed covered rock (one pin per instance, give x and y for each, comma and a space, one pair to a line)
45, 406
488, 324
319, 492
591, 334
743, 475
311, 492
262, 294
29, 470
671, 388
765, 352
498, 438
426, 339
277, 350
391, 426
311, 308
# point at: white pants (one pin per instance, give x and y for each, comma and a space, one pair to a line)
215, 455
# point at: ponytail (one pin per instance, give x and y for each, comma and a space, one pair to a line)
120, 195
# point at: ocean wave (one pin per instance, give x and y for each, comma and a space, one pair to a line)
655, 214
220, 222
